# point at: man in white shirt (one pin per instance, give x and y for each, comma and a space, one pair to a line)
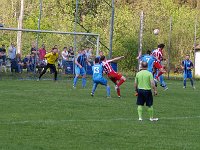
65, 58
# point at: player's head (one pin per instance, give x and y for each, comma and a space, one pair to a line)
148, 52
144, 65
83, 51
54, 50
96, 60
161, 46
101, 53
103, 58
187, 57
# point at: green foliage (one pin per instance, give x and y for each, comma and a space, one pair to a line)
94, 16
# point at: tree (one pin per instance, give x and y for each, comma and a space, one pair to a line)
20, 24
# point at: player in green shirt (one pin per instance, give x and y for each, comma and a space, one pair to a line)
144, 82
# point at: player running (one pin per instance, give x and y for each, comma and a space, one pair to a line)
98, 77
115, 77
158, 54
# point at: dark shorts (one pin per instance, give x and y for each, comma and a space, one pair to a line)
145, 96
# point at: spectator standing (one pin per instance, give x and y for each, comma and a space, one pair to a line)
12, 52
12, 55
65, 57
42, 53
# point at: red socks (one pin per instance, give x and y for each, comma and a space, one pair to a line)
120, 82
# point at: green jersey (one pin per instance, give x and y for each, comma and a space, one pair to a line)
143, 79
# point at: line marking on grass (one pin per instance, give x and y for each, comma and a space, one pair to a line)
89, 120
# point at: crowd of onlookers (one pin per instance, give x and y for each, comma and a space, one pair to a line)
13, 61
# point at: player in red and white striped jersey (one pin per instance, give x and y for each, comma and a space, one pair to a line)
158, 54
115, 77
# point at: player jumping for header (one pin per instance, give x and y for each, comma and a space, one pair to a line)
115, 77
158, 54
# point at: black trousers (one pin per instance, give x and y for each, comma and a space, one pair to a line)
52, 67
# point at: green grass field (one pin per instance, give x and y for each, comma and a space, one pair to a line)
52, 116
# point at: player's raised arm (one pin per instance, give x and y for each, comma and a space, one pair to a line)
115, 59
139, 55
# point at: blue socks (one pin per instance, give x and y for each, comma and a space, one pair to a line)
83, 82
94, 88
75, 80
108, 91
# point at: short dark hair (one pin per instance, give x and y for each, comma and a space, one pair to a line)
65, 48
148, 52
161, 45
96, 60
144, 64
102, 58
54, 48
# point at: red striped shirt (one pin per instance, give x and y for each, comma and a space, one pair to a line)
107, 67
158, 54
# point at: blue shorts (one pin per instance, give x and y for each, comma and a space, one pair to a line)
101, 81
80, 71
187, 75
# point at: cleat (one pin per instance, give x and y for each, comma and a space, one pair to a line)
74, 86
153, 119
194, 87
38, 79
108, 97
165, 88
119, 96
92, 94
140, 119
184, 87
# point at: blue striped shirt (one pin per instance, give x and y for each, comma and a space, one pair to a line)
82, 60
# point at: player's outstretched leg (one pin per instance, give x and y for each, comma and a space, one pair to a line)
162, 83
94, 88
121, 81
43, 72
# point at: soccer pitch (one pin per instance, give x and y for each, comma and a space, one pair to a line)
52, 116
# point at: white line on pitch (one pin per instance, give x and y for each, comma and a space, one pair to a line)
90, 120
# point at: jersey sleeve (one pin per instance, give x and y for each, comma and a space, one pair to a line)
47, 55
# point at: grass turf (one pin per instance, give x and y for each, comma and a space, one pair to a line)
47, 115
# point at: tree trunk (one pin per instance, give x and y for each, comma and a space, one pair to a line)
19, 33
